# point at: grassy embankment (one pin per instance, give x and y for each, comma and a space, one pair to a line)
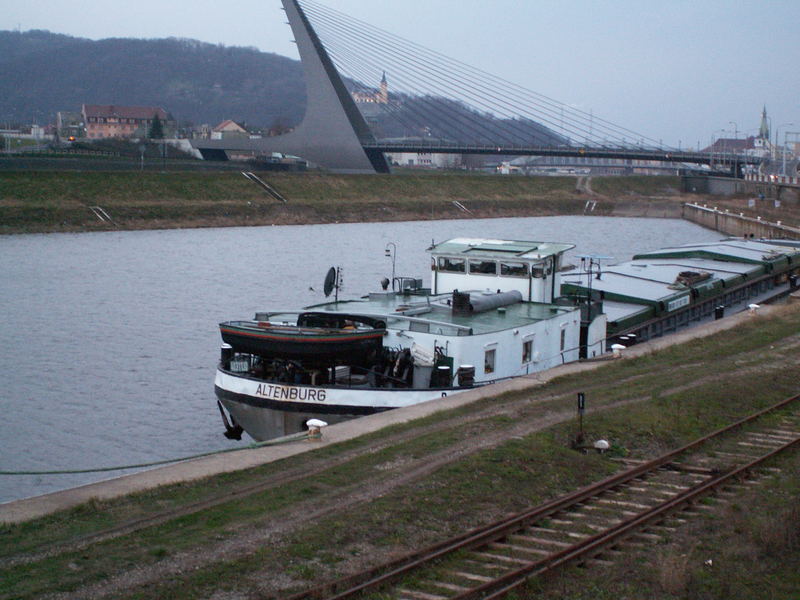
48, 201
309, 527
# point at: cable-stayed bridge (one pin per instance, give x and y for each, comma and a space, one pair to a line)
370, 92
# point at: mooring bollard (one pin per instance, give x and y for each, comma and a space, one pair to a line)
315, 428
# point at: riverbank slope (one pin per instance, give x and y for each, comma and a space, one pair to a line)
72, 201
276, 528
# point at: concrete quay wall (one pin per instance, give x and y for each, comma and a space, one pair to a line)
737, 225
786, 189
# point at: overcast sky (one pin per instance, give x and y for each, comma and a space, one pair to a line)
676, 70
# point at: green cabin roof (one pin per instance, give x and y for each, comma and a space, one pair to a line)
499, 249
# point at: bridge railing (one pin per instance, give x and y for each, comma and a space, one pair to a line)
776, 179
618, 152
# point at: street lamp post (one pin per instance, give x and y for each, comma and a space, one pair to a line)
393, 254
783, 150
786, 147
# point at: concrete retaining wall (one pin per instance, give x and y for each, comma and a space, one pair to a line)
718, 186
786, 189
737, 225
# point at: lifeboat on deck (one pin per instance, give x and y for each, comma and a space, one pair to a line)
317, 337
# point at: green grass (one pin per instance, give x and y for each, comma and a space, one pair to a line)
680, 401
644, 185
32, 201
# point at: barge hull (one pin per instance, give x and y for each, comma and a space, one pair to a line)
246, 399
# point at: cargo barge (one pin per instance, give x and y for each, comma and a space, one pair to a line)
494, 309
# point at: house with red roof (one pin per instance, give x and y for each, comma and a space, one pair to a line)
229, 129
112, 121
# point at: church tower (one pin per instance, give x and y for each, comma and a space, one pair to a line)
383, 95
763, 131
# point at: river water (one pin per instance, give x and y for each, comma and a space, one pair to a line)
110, 340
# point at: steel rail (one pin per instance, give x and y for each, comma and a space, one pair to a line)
378, 576
586, 547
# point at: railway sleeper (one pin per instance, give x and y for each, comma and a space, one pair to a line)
406, 594
481, 565
546, 530
498, 559
513, 549
759, 445
669, 488
775, 470
446, 585
699, 471
707, 507
656, 488
680, 472
598, 522
626, 513
626, 503
647, 483
779, 438
471, 576
665, 528
754, 479
790, 433
529, 539
770, 434
600, 528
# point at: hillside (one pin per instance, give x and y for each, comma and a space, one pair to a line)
42, 73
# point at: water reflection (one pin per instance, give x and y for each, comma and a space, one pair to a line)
111, 339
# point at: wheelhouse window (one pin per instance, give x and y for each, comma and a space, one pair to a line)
483, 267
513, 270
452, 265
488, 361
563, 339
527, 351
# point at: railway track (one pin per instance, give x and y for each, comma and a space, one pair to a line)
494, 560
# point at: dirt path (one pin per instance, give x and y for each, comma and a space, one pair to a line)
389, 477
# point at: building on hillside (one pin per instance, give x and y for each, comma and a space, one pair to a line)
111, 121
379, 96
732, 145
229, 129
371, 102
201, 132
758, 145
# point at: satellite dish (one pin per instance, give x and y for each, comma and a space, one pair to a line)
330, 281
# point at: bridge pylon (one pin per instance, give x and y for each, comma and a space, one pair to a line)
333, 131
